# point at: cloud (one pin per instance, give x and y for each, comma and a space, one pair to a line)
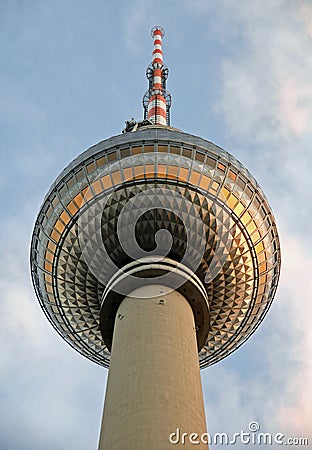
296, 413
270, 379
305, 12
267, 82
292, 111
41, 378
266, 104
137, 20
50, 395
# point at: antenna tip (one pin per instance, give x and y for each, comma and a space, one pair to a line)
157, 28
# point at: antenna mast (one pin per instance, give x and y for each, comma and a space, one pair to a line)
157, 100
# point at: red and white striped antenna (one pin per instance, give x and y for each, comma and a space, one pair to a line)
157, 100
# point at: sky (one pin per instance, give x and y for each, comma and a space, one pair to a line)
72, 72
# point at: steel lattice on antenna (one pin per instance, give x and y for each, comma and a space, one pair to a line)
157, 100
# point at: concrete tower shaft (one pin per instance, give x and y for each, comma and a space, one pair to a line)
156, 331
154, 385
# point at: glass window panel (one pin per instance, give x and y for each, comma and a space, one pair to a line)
204, 182
49, 211
249, 191
184, 173
263, 212
210, 162
116, 177
72, 208
63, 192
51, 246
162, 170
47, 266
43, 221
55, 310
215, 185
200, 156
55, 201
149, 170
255, 236
78, 200
241, 183
137, 150
186, 152
87, 194
125, 152
256, 203
246, 217
59, 226
232, 201
261, 257
112, 157
232, 175
49, 256
128, 175
65, 217
97, 187
138, 171
224, 193
251, 227
259, 247
173, 170
106, 181
51, 299
91, 167
101, 161
49, 288
55, 235
48, 278
262, 267
195, 178
239, 208
175, 150
80, 175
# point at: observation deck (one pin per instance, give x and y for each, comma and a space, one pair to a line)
160, 192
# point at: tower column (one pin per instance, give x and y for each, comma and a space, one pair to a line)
157, 100
154, 386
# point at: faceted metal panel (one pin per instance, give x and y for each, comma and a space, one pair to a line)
210, 205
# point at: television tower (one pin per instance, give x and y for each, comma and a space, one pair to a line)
155, 253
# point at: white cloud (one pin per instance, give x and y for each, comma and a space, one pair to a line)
274, 386
293, 112
305, 11
265, 105
136, 21
44, 384
267, 81
296, 414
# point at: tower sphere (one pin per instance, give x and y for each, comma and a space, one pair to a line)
158, 193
